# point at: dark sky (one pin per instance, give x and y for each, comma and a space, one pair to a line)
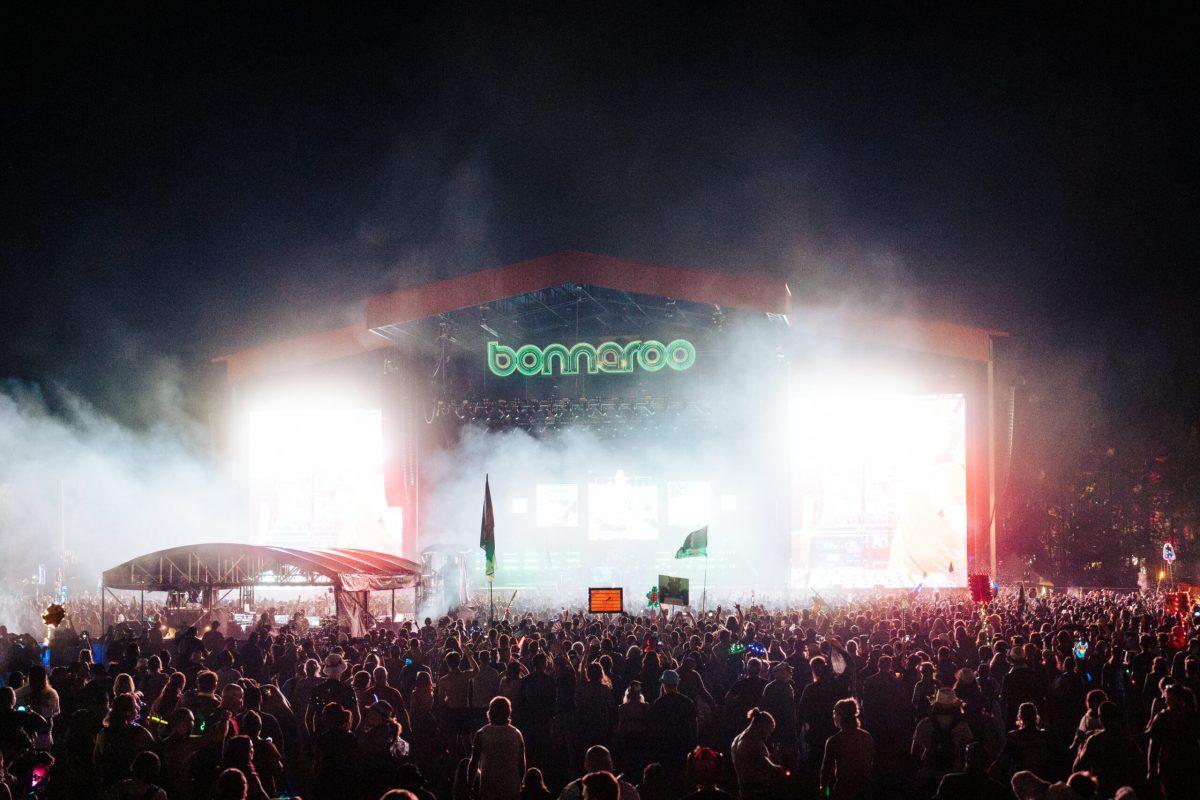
177, 184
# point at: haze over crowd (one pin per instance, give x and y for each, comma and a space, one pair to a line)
1027, 172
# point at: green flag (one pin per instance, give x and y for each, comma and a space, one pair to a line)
696, 544
487, 531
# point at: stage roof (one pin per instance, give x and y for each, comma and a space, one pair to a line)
747, 291
227, 566
557, 291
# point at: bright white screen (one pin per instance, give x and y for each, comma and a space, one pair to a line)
689, 503
557, 505
879, 491
316, 479
623, 508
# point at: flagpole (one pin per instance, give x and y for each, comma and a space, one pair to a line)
487, 540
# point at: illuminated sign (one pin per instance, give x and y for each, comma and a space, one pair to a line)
672, 591
605, 601
607, 357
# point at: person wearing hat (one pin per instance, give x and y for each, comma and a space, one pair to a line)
1021, 685
974, 703
331, 690
673, 714
380, 747
940, 740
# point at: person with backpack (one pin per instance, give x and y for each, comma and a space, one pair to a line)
1027, 748
940, 740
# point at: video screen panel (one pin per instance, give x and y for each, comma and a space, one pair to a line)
623, 508
557, 505
689, 503
316, 479
879, 486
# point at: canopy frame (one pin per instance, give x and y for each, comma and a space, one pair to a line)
207, 568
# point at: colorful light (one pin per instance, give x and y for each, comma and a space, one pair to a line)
607, 357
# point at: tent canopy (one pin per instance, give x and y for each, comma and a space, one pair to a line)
228, 566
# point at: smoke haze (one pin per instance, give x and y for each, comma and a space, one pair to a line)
108, 492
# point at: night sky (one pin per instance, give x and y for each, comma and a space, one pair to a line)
179, 184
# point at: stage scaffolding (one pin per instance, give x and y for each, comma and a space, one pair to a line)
204, 571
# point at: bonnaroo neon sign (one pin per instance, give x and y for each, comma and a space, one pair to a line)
607, 357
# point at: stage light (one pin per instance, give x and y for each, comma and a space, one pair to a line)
879, 476
317, 476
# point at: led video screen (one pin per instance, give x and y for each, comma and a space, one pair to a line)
879, 486
622, 507
689, 503
557, 505
316, 479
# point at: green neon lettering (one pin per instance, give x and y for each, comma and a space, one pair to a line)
680, 354
607, 357
652, 356
502, 360
560, 351
629, 355
529, 359
578, 352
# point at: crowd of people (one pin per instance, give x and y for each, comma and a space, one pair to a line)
899, 695
24, 612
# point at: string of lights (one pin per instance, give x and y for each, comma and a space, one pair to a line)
612, 416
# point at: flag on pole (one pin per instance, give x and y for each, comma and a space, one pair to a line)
696, 544
487, 531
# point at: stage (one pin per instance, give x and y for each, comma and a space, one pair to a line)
615, 407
